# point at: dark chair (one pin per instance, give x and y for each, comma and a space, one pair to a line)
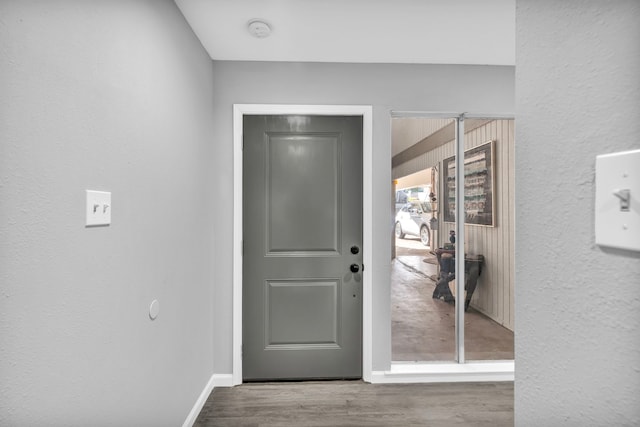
472, 268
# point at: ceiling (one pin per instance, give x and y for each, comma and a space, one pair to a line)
480, 32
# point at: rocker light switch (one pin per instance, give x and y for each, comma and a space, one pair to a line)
618, 200
98, 208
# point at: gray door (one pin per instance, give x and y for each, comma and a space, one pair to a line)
302, 230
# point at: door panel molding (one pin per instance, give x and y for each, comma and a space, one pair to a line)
281, 313
366, 112
281, 175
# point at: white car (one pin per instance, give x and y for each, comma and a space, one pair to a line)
413, 219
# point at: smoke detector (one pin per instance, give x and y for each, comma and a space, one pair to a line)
258, 28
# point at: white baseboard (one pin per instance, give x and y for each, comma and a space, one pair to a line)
222, 380
216, 380
197, 407
411, 372
400, 372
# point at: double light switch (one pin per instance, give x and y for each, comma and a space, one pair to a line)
98, 208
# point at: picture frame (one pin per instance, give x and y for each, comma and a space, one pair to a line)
479, 186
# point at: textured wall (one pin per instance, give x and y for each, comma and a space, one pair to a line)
577, 305
116, 96
386, 87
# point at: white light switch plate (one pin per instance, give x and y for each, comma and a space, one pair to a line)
98, 208
618, 175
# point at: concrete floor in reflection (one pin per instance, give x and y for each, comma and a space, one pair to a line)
423, 328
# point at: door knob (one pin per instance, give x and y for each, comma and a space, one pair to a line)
355, 250
354, 268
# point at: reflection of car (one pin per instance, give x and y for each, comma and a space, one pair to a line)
413, 219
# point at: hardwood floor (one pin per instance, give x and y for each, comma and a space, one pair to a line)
355, 403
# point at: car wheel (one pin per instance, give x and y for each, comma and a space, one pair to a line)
424, 235
399, 233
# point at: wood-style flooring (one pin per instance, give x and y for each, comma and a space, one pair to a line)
355, 403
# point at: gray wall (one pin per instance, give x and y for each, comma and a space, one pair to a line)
387, 87
577, 305
116, 96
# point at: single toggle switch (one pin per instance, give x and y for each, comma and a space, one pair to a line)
617, 205
625, 199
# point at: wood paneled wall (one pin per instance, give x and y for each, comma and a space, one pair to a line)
406, 131
495, 291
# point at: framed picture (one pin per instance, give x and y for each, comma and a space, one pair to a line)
479, 165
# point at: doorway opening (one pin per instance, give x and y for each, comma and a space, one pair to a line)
427, 324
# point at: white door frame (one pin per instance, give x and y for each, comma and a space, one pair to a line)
366, 111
